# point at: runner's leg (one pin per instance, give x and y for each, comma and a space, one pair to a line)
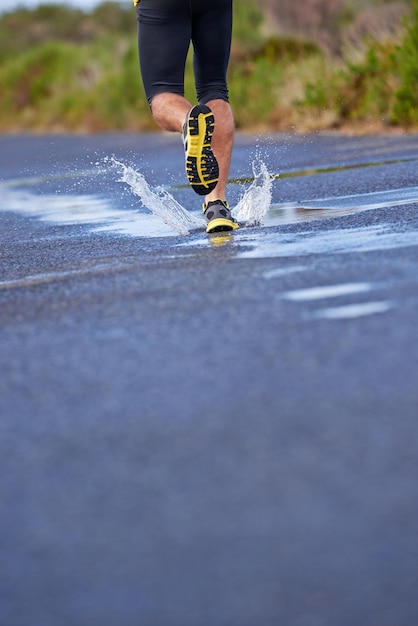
164, 34
211, 36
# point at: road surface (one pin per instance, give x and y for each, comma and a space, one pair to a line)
201, 431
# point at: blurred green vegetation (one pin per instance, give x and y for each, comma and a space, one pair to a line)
62, 69
380, 87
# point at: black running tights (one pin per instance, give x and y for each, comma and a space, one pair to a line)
165, 30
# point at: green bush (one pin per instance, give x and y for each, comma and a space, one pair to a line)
248, 19
63, 69
60, 85
253, 91
367, 87
405, 108
38, 75
22, 30
361, 90
286, 49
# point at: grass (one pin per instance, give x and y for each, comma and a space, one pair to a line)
83, 76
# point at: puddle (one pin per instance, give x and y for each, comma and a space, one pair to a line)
327, 169
305, 210
159, 202
83, 209
157, 213
305, 243
251, 208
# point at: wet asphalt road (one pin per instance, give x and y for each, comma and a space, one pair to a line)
200, 434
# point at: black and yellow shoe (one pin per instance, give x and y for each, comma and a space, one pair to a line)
218, 217
201, 165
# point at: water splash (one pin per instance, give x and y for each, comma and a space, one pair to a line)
250, 209
159, 202
256, 200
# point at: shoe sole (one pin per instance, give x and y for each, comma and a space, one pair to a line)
201, 165
220, 224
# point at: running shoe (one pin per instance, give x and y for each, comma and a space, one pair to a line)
201, 165
218, 217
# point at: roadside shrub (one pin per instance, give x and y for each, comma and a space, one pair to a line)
355, 91
60, 86
405, 108
23, 29
381, 87
253, 90
286, 49
321, 21
247, 22
36, 76
63, 69
367, 87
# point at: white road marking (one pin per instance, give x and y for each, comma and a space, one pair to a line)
352, 310
348, 311
283, 271
327, 291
